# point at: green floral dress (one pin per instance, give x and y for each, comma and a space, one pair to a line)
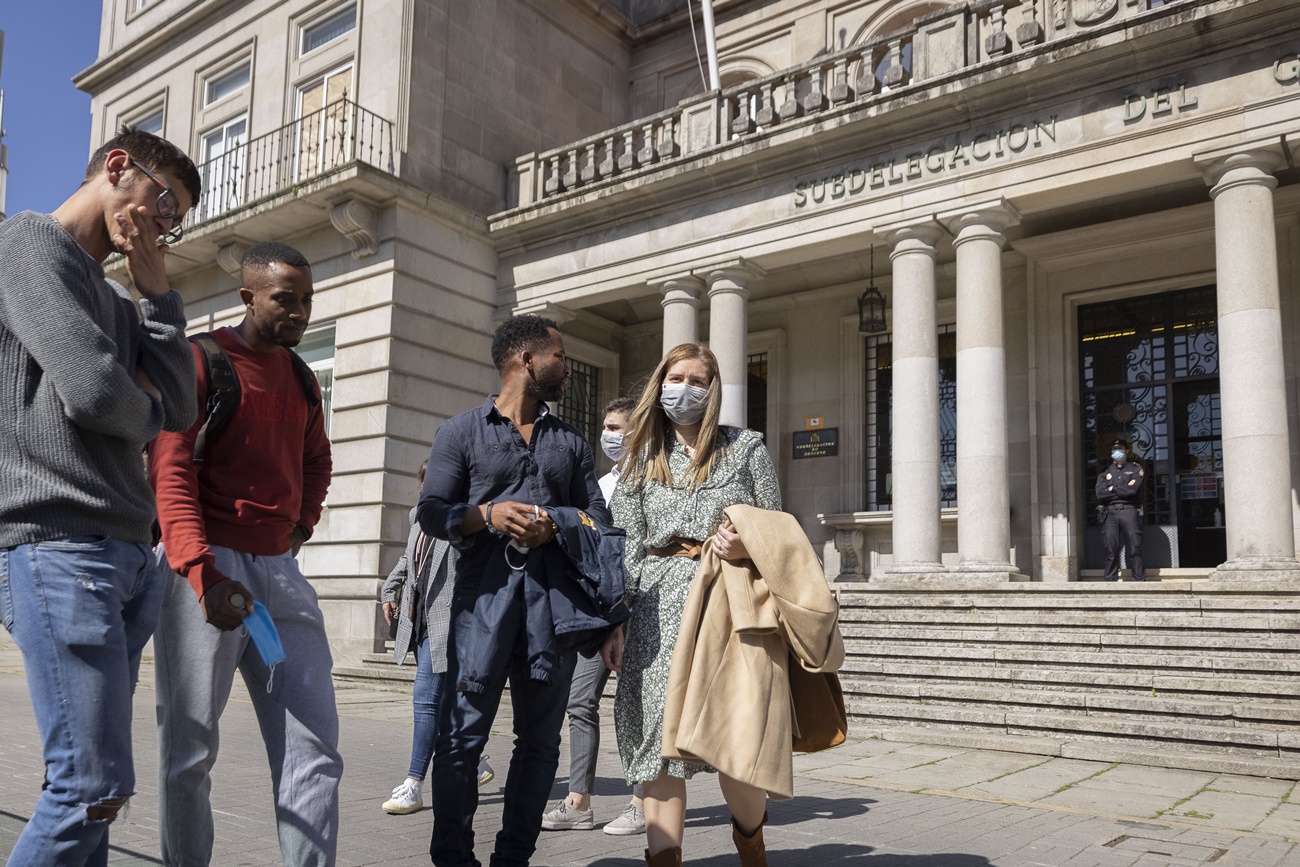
652, 515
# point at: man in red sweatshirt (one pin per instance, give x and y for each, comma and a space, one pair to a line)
231, 527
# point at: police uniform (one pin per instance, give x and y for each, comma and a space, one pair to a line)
1119, 493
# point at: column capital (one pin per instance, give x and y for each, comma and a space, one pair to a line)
680, 289
547, 309
986, 219
1245, 168
919, 235
733, 275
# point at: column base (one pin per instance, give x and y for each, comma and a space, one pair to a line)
914, 572
984, 570
1258, 569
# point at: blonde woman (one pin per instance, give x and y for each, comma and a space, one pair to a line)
680, 471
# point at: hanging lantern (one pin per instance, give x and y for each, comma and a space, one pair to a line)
871, 304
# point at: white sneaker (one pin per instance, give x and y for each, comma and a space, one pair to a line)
631, 822
565, 818
406, 799
485, 773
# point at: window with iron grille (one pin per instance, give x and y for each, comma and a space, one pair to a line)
580, 405
879, 422
756, 371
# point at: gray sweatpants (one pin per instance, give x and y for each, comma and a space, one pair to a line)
295, 709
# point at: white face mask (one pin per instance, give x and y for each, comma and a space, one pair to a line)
683, 403
612, 445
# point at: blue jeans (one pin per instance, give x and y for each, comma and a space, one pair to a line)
464, 725
81, 610
424, 701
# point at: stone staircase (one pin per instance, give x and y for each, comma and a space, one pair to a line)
1194, 674
1191, 674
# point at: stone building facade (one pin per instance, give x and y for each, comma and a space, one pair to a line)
1082, 216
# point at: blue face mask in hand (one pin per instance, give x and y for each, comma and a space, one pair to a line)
261, 628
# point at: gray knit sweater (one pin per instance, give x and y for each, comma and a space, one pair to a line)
72, 420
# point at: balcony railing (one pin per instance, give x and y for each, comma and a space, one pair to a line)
280, 161
935, 46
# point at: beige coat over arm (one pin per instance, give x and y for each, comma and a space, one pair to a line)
728, 701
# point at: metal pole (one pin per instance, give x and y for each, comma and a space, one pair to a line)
711, 45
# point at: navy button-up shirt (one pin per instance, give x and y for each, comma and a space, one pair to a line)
480, 457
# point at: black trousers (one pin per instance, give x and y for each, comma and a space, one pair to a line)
1124, 526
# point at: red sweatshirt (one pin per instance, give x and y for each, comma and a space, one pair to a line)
266, 469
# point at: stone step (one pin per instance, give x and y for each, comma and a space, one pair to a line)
1257, 713
1251, 741
1185, 756
1223, 645
1263, 622
1208, 664
1019, 599
1139, 678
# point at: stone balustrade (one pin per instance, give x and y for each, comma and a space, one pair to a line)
936, 46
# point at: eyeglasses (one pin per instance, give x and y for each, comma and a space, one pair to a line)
168, 206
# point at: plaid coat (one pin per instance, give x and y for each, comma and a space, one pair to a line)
430, 590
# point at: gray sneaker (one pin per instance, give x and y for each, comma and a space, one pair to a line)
632, 821
565, 818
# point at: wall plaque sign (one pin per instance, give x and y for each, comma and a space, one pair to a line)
824, 443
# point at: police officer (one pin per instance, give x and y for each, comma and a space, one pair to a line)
1119, 494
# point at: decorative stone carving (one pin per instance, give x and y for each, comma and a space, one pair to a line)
742, 123
229, 255
998, 42
766, 110
894, 72
627, 160
1058, 14
647, 153
840, 88
571, 174
815, 100
607, 164
790, 107
1030, 32
358, 222
850, 544
1090, 12
552, 185
667, 145
588, 173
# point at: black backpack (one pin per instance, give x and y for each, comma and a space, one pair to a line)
224, 391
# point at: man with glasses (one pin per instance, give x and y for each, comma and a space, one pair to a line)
87, 377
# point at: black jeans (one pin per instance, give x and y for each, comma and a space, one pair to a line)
1124, 525
466, 721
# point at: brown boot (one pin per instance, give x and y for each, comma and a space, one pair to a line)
666, 858
750, 846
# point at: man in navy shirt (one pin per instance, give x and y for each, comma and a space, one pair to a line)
492, 473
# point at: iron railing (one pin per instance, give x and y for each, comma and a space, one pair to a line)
316, 144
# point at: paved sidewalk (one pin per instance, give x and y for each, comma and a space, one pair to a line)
870, 802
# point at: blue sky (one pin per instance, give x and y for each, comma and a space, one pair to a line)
47, 120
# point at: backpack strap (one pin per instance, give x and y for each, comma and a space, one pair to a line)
223, 390
306, 379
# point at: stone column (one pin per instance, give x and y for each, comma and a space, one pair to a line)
983, 489
728, 334
915, 428
1252, 383
681, 303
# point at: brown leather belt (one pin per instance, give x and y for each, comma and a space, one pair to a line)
679, 547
